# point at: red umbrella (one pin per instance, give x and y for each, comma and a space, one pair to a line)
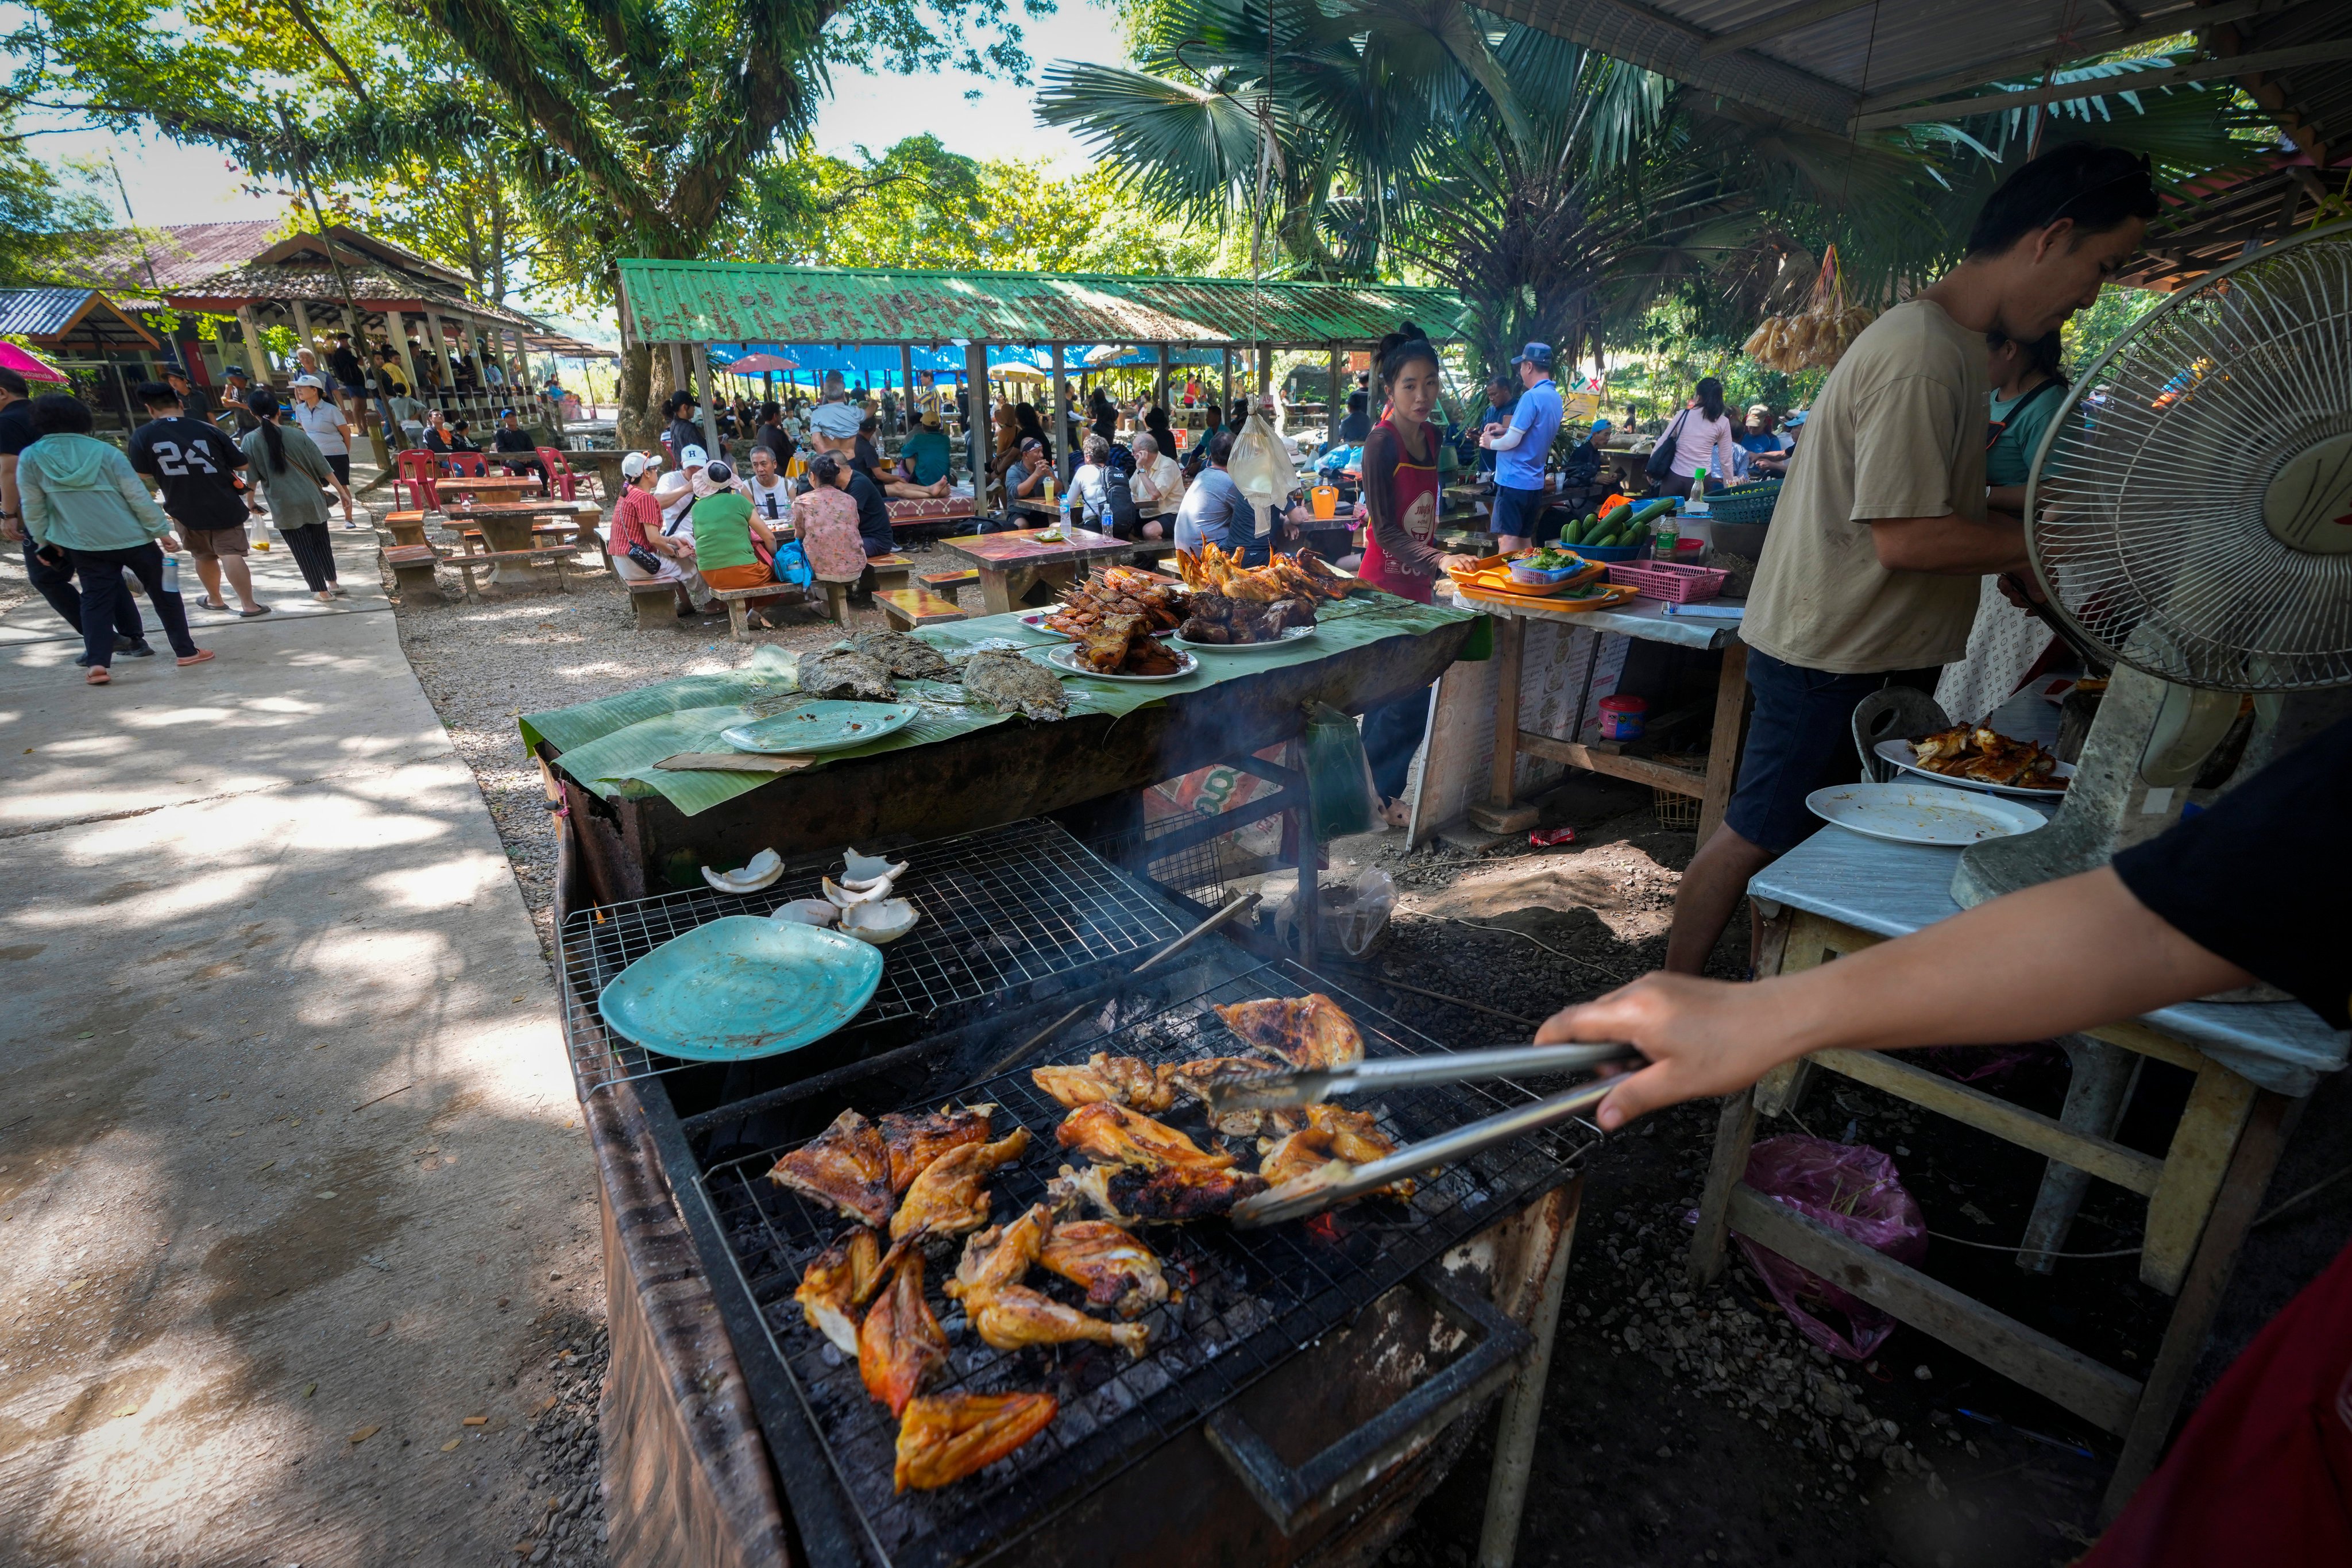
760, 364
30, 365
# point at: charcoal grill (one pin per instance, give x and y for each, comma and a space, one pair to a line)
1004, 911
1253, 1301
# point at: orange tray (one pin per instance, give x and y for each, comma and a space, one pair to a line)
1494, 574
1609, 598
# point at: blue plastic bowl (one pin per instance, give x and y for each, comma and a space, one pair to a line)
1611, 552
1536, 577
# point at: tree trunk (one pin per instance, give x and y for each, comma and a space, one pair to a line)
633, 425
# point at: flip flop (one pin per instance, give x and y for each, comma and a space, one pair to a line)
208, 605
99, 676
256, 610
198, 656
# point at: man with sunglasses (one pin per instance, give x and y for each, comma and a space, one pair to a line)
1870, 575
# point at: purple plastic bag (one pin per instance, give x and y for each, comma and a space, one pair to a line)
1851, 1188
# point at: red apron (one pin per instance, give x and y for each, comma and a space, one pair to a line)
1415, 498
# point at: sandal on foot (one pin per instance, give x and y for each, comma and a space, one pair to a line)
99, 676
208, 605
198, 656
256, 610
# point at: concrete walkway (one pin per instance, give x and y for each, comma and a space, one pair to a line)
290, 1181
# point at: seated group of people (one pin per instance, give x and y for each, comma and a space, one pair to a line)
516, 447
921, 470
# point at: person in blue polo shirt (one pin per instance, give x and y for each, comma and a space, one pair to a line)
1521, 448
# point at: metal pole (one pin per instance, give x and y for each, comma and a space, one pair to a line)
1225, 382
1159, 385
1060, 402
1515, 1435
1339, 405
702, 391
977, 425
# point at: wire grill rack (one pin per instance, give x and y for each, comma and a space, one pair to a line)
1250, 1298
1000, 909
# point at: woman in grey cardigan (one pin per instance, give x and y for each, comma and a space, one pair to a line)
295, 479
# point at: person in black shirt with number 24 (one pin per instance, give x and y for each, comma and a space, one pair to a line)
196, 466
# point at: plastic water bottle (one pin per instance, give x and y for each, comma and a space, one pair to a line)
1696, 505
1065, 500
171, 573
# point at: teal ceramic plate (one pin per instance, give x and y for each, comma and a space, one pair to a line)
826, 725
742, 987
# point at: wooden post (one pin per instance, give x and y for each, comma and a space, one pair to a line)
1224, 383
251, 326
907, 370
1060, 403
977, 425
396, 331
1159, 385
439, 330
1337, 408
702, 391
1499, 815
1723, 745
303, 340
519, 368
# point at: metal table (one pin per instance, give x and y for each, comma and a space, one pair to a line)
1839, 892
1012, 564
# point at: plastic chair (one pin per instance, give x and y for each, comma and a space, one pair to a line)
1892, 712
556, 478
413, 472
468, 465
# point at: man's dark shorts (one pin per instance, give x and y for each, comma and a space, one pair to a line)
212, 543
1519, 513
1800, 739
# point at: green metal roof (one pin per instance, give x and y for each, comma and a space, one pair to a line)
732, 302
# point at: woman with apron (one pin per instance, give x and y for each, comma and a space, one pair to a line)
1401, 554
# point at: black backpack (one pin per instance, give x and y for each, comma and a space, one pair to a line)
1126, 522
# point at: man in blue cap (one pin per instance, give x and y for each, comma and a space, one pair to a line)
1520, 449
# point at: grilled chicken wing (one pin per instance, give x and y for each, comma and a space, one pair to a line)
945, 1437
1116, 1270
845, 1167
900, 1345
1169, 1197
1012, 1316
1191, 1080
946, 1198
1351, 1138
1001, 1254
1115, 1136
842, 1277
1121, 1080
1299, 1154
915, 1141
1307, 1032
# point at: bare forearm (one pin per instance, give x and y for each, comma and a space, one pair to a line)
1951, 545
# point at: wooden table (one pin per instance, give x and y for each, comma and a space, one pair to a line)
507, 528
1641, 618
516, 485
1632, 469
1838, 893
1011, 565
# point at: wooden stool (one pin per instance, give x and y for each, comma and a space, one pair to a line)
407, 528
890, 571
907, 608
738, 602
413, 570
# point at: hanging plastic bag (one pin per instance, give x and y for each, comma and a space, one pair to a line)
1853, 1189
1262, 466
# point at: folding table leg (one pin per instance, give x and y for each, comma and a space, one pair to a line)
2095, 1095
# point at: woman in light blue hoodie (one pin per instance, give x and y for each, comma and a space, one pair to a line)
84, 504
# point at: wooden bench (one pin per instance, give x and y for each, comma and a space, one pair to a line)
653, 601
890, 571
406, 528
413, 567
945, 584
907, 608
738, 602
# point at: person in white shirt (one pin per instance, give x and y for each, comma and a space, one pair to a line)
834, 423
1158, 487
771, 495
1703, 439
325, 424
1090, 486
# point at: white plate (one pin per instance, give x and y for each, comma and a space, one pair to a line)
1289, 635
1922, 813
1067, 659
1900, 754
1035, 621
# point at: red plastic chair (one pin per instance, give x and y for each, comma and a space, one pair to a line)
414, 471
559, 478
469, 465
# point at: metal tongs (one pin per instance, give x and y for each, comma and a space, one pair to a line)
1289, 1087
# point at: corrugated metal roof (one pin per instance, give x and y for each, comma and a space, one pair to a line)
79, 315
732, 302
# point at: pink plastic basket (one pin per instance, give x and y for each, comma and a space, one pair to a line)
1665, 580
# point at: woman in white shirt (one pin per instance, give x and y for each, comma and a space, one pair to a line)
1158, 487
1703, 440
329, 431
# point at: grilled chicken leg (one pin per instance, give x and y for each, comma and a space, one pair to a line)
1117, 1136
900, 1345
1001, 1254
915, 1141
1011, 1316
845, 1167
1116, 1270
947, 1198
1121, 1080
945, 1437
1307, 1032
842, 1277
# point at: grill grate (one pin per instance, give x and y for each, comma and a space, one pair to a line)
1253, 1299
1000, 909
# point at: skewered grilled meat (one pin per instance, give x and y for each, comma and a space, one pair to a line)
845, 672
1116, 1270
1012, 1316
900, 1345
1118, 591
1307, 1032
945, 1437
946, 1197
909, 658
845, 1167
1135, 1196
1122, 1080
1114, 1135
1001, 1254
1011, 684
1976, 753
842, 1277
915, 1141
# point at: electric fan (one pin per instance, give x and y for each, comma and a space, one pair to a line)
2190, 517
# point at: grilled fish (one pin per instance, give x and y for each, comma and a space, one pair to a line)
1115, 1136
1000, 1255
1116, 1270
1120, 1080
1011, 684
845, 672
845, 1167
842, 1277
1012, 1316
1307, 1032
945, 1437
1170, 1197
909, 658
900, 1345
915, 1141
946, 1198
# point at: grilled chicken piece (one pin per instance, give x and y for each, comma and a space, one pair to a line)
900, 1345
1012, 1316
1102, 647
1191, 1080
1348, 1137
1001, 1254
1114, 1135
1356, 1135
1121, 1080
946, 1197
845, 1167
1170, 1197
945, 1437
1116, 1270
915, 1141
1307, 1032
842, 1277
1300, 1155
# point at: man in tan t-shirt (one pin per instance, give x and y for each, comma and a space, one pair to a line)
1870, 571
